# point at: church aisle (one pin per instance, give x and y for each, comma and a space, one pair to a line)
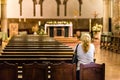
111, 60
112, 63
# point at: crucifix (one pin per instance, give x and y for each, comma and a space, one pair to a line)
20, 2
80, 3
95, 14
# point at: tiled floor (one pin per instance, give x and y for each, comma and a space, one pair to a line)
112, 63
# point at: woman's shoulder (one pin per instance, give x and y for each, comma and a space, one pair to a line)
92, 45
79, 44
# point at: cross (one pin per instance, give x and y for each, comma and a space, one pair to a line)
95, 14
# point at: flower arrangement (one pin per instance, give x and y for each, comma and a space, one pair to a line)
35, 29
42, 32
97, 28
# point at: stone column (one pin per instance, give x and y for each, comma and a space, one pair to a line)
105, 15
80, 3
110, 15
4, 18
58, 7
34, 7
65, 7
20, 2
41, 7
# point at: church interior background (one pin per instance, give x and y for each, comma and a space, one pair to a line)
59, 18
82, 15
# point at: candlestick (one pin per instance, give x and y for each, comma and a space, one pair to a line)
89, 25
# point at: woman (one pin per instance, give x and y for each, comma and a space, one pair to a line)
85, 52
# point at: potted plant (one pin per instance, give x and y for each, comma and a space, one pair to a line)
96, 29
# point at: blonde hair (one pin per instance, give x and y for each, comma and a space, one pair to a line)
86, 40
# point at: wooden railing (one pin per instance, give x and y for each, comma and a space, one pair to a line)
111, 42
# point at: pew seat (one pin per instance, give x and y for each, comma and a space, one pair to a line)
92, 71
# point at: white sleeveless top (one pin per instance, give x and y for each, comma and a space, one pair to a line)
83, 57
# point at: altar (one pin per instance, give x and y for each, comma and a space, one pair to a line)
59, 29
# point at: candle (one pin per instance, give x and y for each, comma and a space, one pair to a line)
39, 23
19, 19
89, 25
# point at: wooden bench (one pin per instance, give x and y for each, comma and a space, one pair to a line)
32, 58
35, 71
69, 41
36, 48
8, 71
41, 49
92, 71
25, 44
63, 71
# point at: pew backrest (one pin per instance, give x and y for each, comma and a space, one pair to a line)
63, 71
8, 71
35, 71
92, 71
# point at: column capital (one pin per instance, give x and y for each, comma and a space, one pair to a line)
41, 1
20, 1
65, 2
80, 1
3, 1
58, 1
34, 1
106, 1
116, 1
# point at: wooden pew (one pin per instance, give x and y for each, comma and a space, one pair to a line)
36, 48
8, 71
20, 44
106, 40
63, 71
92, 71
35, 71
41, 49
69, 41
38, 58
